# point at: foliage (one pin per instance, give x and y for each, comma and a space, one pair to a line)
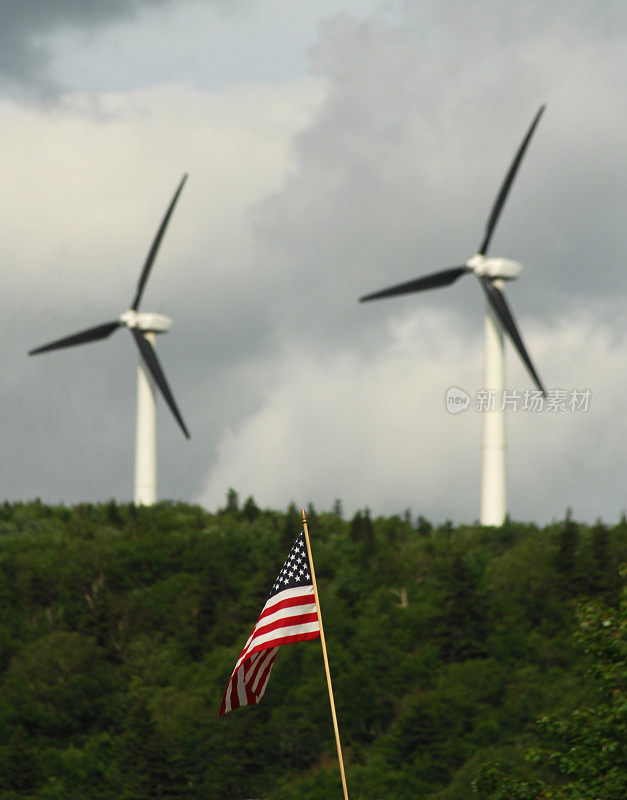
119, 628
585, 752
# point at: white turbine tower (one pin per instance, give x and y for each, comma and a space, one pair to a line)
492, 273
143, 326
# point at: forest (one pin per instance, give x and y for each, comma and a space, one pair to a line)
467, 661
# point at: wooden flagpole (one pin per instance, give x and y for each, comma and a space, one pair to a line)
324, 655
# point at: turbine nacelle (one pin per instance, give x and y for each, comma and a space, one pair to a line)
148, 322
503, 268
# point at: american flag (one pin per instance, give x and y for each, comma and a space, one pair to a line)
289, 615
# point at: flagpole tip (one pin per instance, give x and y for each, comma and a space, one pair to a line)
303, 516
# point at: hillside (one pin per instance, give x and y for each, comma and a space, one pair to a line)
119, 628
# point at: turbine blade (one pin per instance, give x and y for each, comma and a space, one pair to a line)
152, 364
434, 281
499, 305
507, 185
89, 335
155, 246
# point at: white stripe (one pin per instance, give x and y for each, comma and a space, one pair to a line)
268, 656
262, 689
291, 630
286, 594
291, 611
241, 689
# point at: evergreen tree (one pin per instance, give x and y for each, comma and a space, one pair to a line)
565, 557
152, 766
423, 526
362, 531
587, 750
463, 618
113, 514
605, 579
312, 515
292, 526
250, 510
232, 501
18, 768
116, 642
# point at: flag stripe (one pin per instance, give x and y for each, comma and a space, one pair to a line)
289, 601
296, 633
284, 623
272, 639
289, 615
309, 631
308, 606
259, 631
241, 688
259, 681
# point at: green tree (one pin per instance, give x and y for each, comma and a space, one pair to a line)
151, 763
605, 577
250, 509
362, 531
586, 751
120, 625
292, 526
463, 620
18, 769
565, 557
232, 500
423, 526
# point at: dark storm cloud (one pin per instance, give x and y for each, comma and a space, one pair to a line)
395, 178
25, 26
386, 172
400, 168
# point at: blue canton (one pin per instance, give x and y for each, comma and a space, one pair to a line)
295, 571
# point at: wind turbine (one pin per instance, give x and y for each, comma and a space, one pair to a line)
144, 327
492, 273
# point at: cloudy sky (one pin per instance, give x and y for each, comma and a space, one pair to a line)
333, 148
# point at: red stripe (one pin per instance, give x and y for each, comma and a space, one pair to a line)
255, 663
288, 602
258, 671
264, 681
284, 622
255, 666
227, 694
262, 673
282, 636
287, 639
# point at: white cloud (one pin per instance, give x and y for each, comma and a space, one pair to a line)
89, 183
95, 174
301, 198
373, 430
